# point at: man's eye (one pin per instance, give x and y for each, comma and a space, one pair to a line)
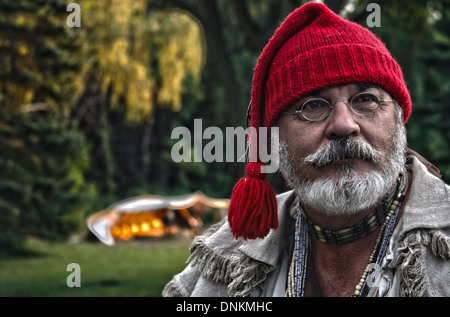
365, 98
315, 104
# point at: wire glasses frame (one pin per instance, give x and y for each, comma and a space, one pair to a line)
317, 109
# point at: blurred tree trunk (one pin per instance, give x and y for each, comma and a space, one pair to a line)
145, 150
219, 55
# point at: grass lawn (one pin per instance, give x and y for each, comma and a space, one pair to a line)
127, 269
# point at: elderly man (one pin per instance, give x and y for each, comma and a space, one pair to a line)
366, 216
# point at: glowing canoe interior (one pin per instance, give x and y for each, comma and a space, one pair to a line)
151, 216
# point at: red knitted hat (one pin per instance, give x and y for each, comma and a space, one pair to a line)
314, 48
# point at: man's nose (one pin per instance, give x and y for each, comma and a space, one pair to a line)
341, 121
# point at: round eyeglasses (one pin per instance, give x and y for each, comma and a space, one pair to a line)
317, 109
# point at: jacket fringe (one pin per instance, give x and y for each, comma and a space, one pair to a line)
440, 244
210, 264
408, 260
248, 275
241, 273
172, 290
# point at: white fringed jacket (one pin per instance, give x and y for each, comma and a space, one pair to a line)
417, 263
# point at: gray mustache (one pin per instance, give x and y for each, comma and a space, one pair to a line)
344, 148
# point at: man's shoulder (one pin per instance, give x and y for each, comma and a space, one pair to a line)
219, 235
428, 202
219, 261
422, 255
422, 262
283, 199
220, 240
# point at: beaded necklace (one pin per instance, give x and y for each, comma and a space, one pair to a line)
297, 270
363, 228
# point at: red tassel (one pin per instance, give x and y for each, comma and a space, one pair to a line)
253, 207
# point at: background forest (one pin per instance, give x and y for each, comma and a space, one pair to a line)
86, 113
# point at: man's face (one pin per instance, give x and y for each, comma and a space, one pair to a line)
306, 137
373, 133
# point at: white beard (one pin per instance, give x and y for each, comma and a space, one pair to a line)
350, 193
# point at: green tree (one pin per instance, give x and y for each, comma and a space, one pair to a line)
39, 57
42, 188
41, 179
140, 62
